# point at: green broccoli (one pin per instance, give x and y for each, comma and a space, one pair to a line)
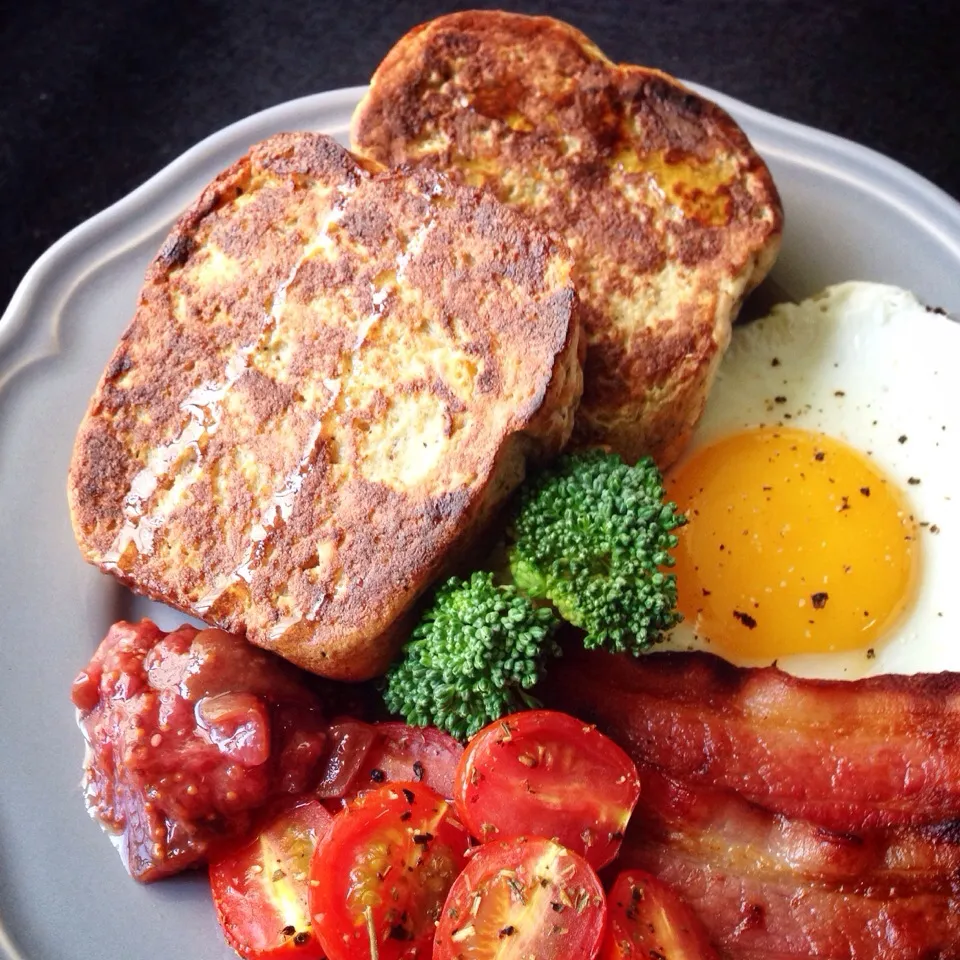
591, 535
474, 653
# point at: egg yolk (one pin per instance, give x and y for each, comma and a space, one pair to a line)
796, 543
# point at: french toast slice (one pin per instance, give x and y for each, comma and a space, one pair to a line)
334, 374
670, 214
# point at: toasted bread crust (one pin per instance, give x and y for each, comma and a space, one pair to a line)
333, 375
671, 215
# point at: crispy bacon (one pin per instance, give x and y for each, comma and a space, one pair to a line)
769, 887
732, 761
753, 918
848, 755
721, 829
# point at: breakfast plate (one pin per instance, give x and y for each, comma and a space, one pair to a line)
851, 214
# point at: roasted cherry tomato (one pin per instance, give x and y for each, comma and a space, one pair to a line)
260, 890
523, 898
547, 774
401, 752
647, 919
379, 877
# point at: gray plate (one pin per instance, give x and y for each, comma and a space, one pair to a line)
851, 214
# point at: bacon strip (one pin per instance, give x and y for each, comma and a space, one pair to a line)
765, 886
757, 919
848, 755
723, 830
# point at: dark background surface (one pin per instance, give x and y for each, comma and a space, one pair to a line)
96, 97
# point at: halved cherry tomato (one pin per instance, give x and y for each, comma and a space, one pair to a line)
260, 890
379, 877
647, 919
421, 754
547, 774
523, 898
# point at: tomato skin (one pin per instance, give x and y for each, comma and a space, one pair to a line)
260, 890
349, 743
528, 897
545, 773
363, 756
382, 872
403, 752
648, 919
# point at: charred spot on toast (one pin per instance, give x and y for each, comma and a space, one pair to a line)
670, 214
333, 376
175, 251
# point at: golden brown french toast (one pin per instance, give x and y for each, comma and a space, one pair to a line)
670, 214
334, 374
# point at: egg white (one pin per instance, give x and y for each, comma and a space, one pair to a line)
868, 364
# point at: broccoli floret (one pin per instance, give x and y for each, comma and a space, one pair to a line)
591, 535
474, 653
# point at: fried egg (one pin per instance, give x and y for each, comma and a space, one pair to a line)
823, 532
